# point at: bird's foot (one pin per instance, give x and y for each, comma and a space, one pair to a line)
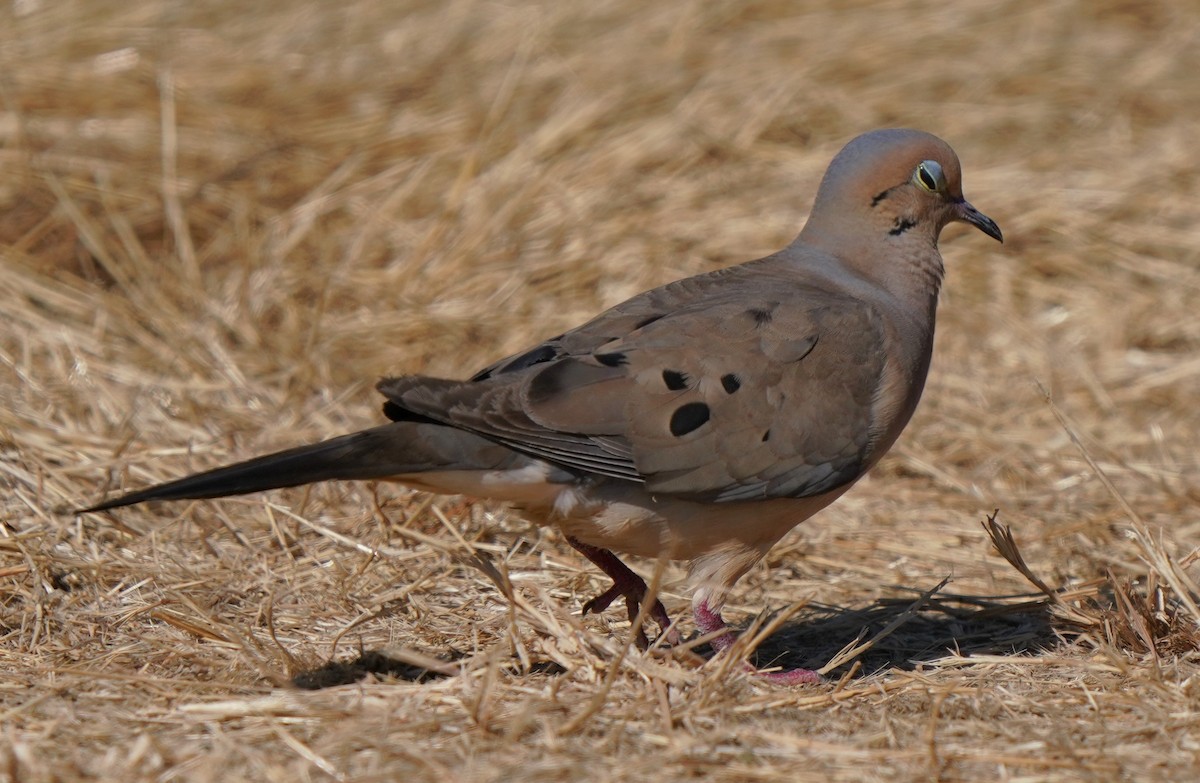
627, 585
709, 621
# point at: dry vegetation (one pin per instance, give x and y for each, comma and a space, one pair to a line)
219, 226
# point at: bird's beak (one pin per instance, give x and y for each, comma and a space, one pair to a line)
968, 214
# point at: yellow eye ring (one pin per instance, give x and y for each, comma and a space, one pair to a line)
929, 176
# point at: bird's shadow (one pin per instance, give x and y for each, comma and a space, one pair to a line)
945, 624
961, 624
378, 662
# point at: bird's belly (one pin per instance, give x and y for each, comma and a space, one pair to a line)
623, 517
627, 519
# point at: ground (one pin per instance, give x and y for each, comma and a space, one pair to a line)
220, 223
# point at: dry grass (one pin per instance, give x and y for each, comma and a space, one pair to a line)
219, 226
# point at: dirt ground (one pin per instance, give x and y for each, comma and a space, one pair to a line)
220, 223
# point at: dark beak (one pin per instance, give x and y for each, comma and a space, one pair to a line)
968, 214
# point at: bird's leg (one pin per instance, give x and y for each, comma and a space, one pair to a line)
709, 620
626, 584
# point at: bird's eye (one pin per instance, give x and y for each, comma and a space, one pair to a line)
929, 176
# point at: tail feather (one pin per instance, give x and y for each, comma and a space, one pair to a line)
381, 452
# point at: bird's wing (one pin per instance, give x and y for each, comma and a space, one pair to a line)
738, 386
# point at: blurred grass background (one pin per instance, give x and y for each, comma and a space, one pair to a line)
220, 223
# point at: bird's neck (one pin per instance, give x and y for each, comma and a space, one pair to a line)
914, 273
905, 265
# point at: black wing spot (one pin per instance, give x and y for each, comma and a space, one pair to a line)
688, 418
675, 380
761, 315
766, 436
648, 320
398, 413
543, 353
614, 359
731, 383
902, 225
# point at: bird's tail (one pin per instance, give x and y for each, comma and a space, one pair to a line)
382, 452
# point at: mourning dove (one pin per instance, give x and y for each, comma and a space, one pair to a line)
701, 420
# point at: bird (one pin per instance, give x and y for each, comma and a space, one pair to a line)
698, 421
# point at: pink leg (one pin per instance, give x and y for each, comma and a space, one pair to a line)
709, 621
626, 584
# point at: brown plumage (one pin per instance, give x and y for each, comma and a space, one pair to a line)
701, 420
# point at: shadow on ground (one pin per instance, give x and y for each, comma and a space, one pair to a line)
962, 624
967, 625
